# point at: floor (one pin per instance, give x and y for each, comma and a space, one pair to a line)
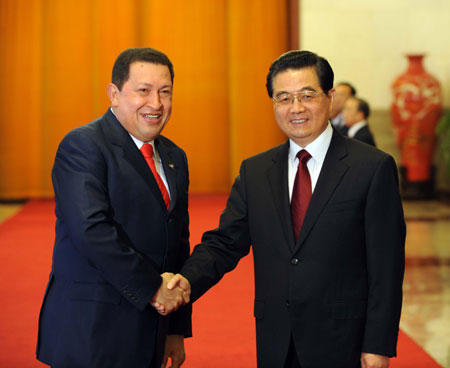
8, 210
426, 306
426, 302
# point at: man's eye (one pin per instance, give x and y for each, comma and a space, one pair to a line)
143, 90
308, 96
165, 93
283, 98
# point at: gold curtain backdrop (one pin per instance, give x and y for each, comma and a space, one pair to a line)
56, 62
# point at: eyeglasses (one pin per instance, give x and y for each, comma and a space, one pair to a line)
304, 97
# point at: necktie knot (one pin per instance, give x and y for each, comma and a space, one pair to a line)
303, 156
147, 150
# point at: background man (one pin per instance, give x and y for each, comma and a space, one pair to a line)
122, 220
328, 274
343, 91
356, 112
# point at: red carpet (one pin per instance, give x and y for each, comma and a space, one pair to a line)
224, 334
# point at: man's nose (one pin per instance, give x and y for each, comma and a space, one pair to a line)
154, 100
296, 105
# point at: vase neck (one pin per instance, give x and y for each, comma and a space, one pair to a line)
415, 64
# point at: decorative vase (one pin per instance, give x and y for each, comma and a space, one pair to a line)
415, 112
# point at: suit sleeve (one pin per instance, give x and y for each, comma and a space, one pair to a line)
221, 248
385, 239
80, 183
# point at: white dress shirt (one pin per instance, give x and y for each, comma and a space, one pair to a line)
317, 149
338, 121
355, 127
158, 163
156, 158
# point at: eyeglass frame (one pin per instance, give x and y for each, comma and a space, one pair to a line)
297, 96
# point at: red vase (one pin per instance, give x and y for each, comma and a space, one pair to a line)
415, 112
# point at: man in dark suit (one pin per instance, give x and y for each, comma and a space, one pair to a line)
342, 91
328, 282
356, 112
121, 230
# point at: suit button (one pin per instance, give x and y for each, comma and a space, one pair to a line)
288, 303
294, 261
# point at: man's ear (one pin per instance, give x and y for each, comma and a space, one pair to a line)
361, 116
331, 94
113, 94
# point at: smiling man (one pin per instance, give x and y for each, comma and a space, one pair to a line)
323, 216
121, 193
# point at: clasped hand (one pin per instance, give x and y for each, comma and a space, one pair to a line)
173, 293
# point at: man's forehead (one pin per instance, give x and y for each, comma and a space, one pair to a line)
149, 73
293, 73
136, 66
299, 78
343, 88
296, 71
352, 102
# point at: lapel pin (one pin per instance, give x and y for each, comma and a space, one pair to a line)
171, 166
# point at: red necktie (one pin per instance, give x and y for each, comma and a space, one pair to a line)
147, 151
301, 193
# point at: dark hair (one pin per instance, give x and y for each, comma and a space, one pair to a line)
347, 84
121, 68
363, 106
297, 59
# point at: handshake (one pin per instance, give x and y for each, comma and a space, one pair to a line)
174, 292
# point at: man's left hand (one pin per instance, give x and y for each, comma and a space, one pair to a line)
175, 351
374, 361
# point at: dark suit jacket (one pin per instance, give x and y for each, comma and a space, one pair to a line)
365, 135
338, 289
114, 237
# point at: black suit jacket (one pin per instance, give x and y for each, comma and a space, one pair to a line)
114, 237
365, 135
337, 290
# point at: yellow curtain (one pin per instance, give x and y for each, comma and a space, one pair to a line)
57, 58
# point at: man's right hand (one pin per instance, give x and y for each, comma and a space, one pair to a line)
167, 300
179, 281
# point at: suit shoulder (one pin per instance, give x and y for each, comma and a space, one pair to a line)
169, 144
364, 153
85, 140
91, 129
267, 155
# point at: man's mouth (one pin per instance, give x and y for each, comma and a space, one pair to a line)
151, 116
299, 121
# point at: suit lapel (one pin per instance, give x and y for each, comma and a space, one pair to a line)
332, 172
169, 171
119, 137
278, 180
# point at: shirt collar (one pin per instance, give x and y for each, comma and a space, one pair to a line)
139, 143
338, 121
355, 127
317, 148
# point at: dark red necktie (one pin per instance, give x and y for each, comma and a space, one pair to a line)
301, 192
147, 151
